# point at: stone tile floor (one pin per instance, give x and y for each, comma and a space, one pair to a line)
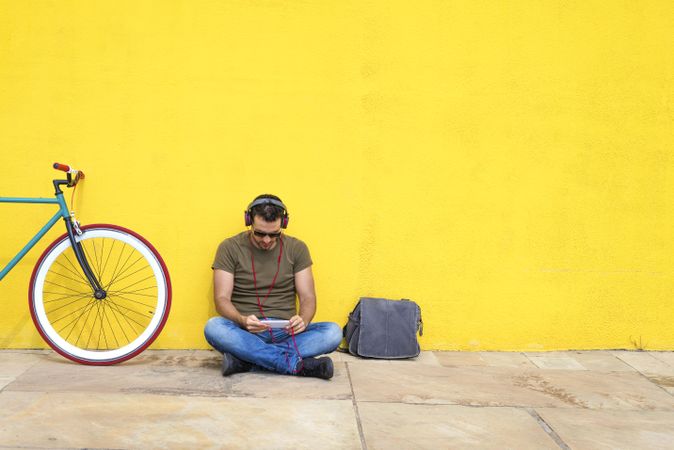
440, 400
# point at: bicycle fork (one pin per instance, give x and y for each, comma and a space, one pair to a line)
73, 232
71, 225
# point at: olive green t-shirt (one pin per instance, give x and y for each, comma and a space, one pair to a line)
234, 256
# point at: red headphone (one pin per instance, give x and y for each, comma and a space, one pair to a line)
263, 200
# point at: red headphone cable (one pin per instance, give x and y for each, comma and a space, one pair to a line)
273, 282
261, 303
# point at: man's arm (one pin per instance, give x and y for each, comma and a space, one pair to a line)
304, 285
223, 285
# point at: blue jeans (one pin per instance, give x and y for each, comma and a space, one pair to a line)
278, 355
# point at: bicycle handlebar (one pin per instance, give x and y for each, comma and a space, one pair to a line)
73, 175
61, 167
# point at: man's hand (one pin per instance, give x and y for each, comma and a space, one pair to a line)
296, 324
252, 323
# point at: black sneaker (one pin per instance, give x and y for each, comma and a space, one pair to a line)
316, 367
231, 364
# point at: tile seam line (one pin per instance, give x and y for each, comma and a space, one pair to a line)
361, 435
514, 406
661, 360
16, 377
60, 448
209, 395
548, 429
4, 388
645, 377
656, 384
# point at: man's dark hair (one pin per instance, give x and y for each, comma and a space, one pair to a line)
268, 212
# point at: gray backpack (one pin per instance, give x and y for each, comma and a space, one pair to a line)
381, 328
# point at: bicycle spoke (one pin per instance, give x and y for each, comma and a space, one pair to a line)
136, 292
115, 308
117, 279
133, 284
85, 321
120, 324
115, 311
73, 266
67, 304
82, 280
89, 259
127, 317
65, 297
102, 330
130, 300
121, 269
119, 258
120, 305
114, 241
69, 278
70, 313
94, 263
100, 264
132, 273
85, 308
114, 336
93, 327
61, 286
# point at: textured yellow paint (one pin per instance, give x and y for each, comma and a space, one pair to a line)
508, 165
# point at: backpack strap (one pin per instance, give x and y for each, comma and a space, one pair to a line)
354, 321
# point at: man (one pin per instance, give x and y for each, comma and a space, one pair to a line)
257, 275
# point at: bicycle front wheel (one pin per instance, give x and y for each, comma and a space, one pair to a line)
107, 331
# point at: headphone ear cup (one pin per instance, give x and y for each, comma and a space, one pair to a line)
284, 221
246, 218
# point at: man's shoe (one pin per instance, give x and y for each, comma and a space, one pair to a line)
231, 364
316, 367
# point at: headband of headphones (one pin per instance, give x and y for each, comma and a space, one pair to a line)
248, 214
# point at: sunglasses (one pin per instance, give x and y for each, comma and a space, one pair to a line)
271, 235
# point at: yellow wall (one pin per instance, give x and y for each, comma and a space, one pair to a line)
508, 165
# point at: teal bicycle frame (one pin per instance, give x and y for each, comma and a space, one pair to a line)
64, 214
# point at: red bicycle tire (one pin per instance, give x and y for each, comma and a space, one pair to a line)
146, 344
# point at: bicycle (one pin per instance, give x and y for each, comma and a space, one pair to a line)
99, 294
